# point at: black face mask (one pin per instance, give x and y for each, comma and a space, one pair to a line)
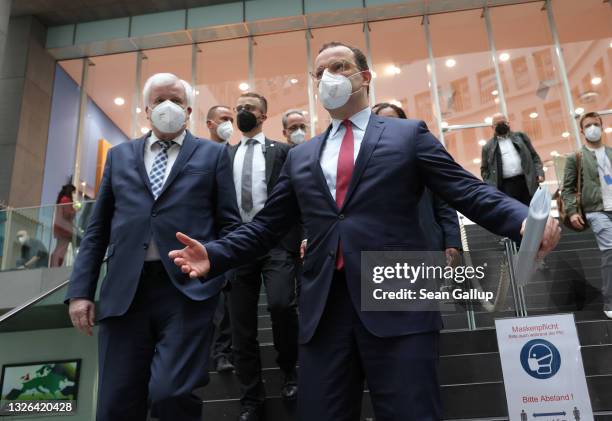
502, 129
246, 121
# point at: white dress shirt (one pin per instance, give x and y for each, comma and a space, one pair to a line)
511, 160
331, 148
150, 152
259, 188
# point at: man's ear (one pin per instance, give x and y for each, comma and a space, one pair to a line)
285, 133
189, 110
209, 124
367, 77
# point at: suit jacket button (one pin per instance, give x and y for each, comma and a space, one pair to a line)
331, 253
145, 246
154, 214
341, 216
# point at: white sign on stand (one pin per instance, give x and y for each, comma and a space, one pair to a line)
543, 372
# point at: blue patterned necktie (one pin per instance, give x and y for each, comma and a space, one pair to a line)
158, 170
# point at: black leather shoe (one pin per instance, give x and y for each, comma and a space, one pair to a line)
289, 390
251, 414
224, 365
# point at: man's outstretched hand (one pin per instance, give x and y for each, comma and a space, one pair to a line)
193, 259
551, 237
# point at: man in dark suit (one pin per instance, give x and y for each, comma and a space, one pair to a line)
155, 324
220, 123
357, 187
257, 163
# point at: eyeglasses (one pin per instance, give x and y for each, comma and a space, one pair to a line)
335, 67
246, 107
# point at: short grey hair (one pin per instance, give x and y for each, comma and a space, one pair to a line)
165, 79
288, 113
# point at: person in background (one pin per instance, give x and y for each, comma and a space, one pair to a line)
510, 163
257, 163
596, 201
435, 216
34, 254
220, 123
63, 224
294, 127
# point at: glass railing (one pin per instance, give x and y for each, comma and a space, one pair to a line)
40, 237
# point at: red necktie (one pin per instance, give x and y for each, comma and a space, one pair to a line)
343, 175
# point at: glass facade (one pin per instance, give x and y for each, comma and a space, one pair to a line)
541, 66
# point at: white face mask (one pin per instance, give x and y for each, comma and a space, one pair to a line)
298, 136
168, 117
21, 239
335, 90
225, 130
593, 133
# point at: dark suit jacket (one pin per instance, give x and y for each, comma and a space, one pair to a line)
397, 159
198, 199
439, 221
275, 154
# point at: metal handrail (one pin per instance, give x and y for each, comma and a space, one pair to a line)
31, 302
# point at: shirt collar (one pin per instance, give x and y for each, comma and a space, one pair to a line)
359, 120
259, 137
178, 140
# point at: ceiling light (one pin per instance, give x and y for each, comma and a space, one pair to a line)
554, 153
476, 160
450, 62
197, 92
533, 115
504, 57
395, 102
565, 134
293, 81
496, 100
545, 169
444, 124
608, 130
138, 110
119, 101
488, 120
482, 142
243, 86
144, 130
596, 80
392, 70
373, 74
579, 110
495, 92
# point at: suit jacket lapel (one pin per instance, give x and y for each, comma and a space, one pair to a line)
187, 149
138, 147
232, 151
270, 157
315, 166
370, 139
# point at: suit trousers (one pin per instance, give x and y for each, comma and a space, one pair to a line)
157, 353
401, 372
222, 340
277, 269
516, 187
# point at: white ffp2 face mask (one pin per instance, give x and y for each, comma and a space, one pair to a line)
168, 117
225, 130
593, 133
335, 90
298, 136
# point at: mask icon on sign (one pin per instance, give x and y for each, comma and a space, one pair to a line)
540, 359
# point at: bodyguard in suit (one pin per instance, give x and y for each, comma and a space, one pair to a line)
220, 123
155, 324
357, 187
257, 163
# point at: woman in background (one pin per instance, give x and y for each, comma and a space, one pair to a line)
63, 224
